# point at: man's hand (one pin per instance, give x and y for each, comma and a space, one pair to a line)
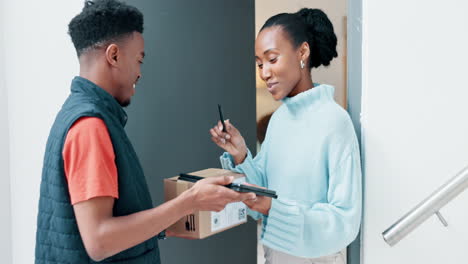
209, 194
104, 235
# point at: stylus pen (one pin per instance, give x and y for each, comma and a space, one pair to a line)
221, 117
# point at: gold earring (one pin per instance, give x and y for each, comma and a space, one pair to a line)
302, 64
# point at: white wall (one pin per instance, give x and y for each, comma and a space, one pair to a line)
40, 63
5, 216
415, 127
335, 74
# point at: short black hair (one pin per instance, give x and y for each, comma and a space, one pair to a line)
102, 21
311, 26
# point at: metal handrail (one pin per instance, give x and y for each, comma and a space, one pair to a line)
428, 207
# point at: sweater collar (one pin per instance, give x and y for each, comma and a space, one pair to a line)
313, 96
85, 86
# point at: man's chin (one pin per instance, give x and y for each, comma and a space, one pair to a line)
125, 103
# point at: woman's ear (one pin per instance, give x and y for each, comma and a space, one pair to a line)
304, 52
112, 54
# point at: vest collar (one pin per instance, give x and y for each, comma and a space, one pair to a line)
84, 86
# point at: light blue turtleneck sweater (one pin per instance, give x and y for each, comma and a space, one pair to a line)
310, 157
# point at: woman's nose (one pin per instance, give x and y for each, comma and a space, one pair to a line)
265, 73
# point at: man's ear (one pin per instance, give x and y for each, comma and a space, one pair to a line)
113, 54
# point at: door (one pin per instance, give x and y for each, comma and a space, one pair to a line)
198, 54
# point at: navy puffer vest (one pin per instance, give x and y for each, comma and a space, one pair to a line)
58, 239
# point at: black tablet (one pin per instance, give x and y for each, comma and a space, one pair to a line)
238, 187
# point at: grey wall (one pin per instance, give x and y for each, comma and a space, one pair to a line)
354, 94
199, 54
5, 216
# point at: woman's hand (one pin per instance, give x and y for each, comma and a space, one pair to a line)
261, 204
231, 141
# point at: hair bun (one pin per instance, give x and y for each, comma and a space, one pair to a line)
321, 36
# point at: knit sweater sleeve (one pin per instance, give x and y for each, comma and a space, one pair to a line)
329, 225
253, 168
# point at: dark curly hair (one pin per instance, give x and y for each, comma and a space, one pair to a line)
311, 26
102, 21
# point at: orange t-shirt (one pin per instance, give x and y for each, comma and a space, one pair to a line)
89, 161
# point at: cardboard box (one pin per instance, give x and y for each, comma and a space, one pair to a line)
202, 224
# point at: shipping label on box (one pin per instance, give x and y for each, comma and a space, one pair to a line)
234, 214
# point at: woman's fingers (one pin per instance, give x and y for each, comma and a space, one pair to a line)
216, 141
250, 203
231, 129
213, 132
219, 131
220, 126
216, 137
222, 138
224, 134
